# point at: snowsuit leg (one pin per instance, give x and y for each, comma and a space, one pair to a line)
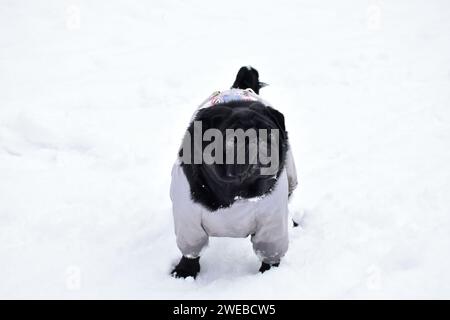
291, 171
271, 239
190, 235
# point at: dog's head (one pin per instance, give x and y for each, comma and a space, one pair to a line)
248, 77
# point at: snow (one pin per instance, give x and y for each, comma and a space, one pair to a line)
94, 99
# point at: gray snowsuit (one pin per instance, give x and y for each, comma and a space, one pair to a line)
264, 218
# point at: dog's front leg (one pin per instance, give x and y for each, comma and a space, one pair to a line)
191, 240
190, 235
271, 241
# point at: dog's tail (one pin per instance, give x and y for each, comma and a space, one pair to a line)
248, 77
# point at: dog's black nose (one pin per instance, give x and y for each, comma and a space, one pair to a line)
248, 77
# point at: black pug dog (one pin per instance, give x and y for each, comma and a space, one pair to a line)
233, 176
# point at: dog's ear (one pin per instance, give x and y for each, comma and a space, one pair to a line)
277, 117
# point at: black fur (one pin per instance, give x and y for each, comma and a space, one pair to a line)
187, 268
248, 77
217, 185
265, 266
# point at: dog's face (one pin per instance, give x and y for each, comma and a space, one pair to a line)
248, 77
218, 183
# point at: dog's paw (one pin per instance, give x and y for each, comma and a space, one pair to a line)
298, 217
265, 266
187, 268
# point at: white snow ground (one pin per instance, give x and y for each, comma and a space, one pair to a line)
95, 96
